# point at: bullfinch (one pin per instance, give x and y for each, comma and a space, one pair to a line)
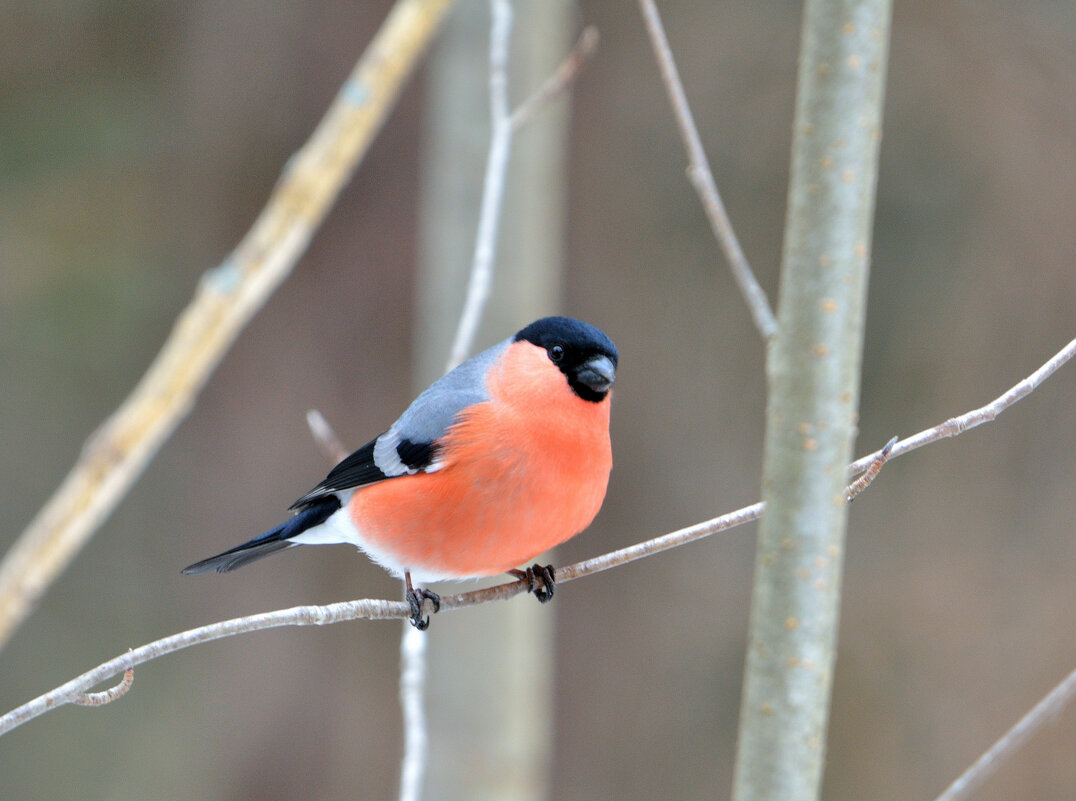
496, 462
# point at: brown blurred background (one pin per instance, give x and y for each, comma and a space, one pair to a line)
139, 139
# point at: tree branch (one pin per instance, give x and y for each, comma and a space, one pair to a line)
511, 284
560, 80
412, 704
813, 371
1041, 714
226, 298
489, 218
365, 609
325, 436
109, 695
702, 178
504, 123
955, 426
1063, 693
397, 610
413, 643
371, 609
295, 616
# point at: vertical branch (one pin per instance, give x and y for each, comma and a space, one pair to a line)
413, 644
493, 727
412, 703
500, 148
813, 372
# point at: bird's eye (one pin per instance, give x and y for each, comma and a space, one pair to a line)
556, 353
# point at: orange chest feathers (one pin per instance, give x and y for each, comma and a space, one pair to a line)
535, 427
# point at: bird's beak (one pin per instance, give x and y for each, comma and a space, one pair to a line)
598, 373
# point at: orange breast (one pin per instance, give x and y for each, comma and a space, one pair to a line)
523, 472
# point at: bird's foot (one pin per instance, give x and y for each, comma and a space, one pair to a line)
416, 599
540, 581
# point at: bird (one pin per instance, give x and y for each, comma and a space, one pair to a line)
497, 461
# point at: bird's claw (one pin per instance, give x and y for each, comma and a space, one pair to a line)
540, 581
416, 599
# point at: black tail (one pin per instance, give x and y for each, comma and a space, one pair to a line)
274, 540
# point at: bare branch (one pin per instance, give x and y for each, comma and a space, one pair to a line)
500, 147
814, 368
109, 695
412, 654
871, 472
484, 263
1042, 713
561, 79
363, 609
368, 609
325, 436
504, 123
955, 426
295, 616
701, 177
1059, 697
413, 645
226, 298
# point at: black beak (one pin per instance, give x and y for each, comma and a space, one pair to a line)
597, 373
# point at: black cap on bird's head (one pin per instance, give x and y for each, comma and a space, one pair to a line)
585, 355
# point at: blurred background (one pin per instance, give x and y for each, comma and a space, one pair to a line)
138, 140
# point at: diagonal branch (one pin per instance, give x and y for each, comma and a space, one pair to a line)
226, 298
561, 78
1042, 713
397, 610
955, 426
365, 609
702, 178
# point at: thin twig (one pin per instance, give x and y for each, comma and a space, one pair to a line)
560, 80
956, 426
412, 655
503, 125
226, 298
871, 472
1042, 713
325, 436
489, 219
362, 609
109, 695
702, 178
1056, 700
295, 616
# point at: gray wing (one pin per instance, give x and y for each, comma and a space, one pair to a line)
411, 443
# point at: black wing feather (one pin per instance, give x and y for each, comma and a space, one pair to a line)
416, 455
357, 470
